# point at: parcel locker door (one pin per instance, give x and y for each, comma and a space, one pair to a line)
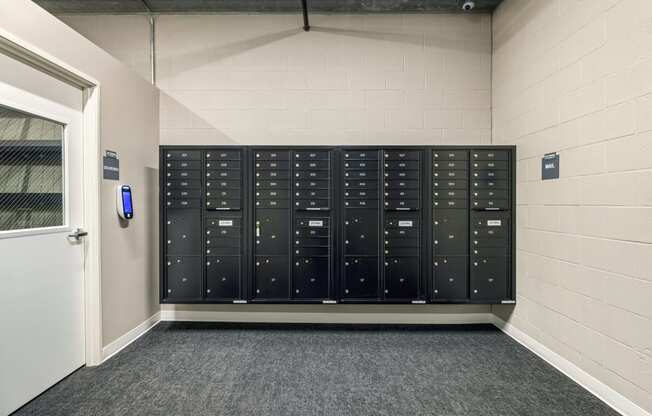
183, 277
450, 274
450, 232
183, 231
271, 277
361, 232
489, 277
360, 278
310, 278
271, 232
402, 277
222, 277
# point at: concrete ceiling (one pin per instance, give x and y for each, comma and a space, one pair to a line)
260, 6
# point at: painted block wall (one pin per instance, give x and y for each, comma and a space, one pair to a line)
354, 79
575, 77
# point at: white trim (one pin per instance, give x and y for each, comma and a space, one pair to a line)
34, 231
131, 336
327, 317
603, 392
92, 265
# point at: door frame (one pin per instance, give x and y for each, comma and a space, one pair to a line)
90, 88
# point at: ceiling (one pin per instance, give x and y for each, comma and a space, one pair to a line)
260, 6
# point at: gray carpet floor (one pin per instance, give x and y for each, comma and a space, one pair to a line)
221, 369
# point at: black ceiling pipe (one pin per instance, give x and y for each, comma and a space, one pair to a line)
306, 24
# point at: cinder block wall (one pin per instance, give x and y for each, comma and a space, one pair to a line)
576, 77
259, 79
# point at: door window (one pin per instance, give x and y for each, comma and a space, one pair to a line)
31, 171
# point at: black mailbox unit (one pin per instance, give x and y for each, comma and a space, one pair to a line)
387, 224
294, 225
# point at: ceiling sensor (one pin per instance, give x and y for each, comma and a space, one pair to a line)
468, 6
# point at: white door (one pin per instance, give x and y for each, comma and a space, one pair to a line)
41, 267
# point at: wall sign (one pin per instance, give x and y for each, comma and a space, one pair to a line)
111, 166
550, 166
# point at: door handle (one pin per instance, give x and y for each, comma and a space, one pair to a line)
78, 233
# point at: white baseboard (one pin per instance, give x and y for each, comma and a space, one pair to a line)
120, 343
605, 393
328, 318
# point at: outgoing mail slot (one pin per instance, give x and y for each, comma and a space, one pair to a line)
223, 222
220, 184
183, 184
450, 165
489, 174
402, 154
401, 184
183, 193
310, 278
490, 204
311, 174
450, 155
223, 164
449, 174
222, 277
282, 184
490, 164
402, 165
183, 174
271, 277
272, 155
182, 203
402, 174
490, 219
183, 164
402, 204
312, 165
402, 276
272, 194
183, 277
312, 204
450, 277
490, 155
313, 222
272, 174
271, 165
360, 277
370, 165
225, 204
223, 155
360, 154
311, 155
223, 193
182, 155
